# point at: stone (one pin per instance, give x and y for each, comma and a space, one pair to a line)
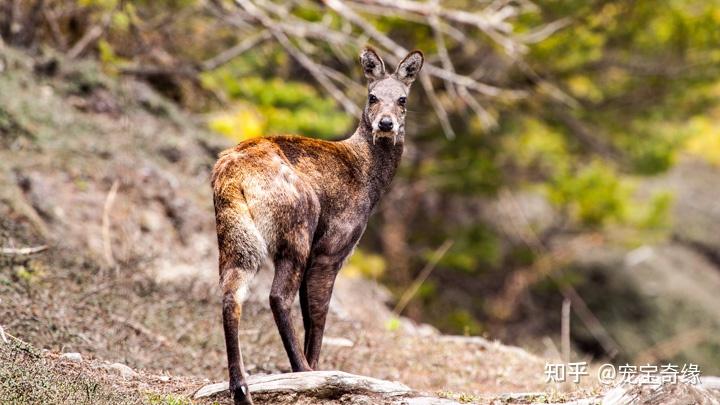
76, 357
122, 370
337, 341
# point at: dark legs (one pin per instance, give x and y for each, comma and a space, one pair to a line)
288, 275
232, 310
315, 293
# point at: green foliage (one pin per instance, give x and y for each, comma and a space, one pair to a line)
462, 321
462, 169
703, 140
427, 290
282, 106
640, 71
102, 4
657, 213
476, 247
462, 397
167, 399
536, 147
365, 264
593, 194
392, 324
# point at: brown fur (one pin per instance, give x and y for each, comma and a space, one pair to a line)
303, 204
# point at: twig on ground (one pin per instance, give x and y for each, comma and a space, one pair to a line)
8, 251
6, 335
107, 242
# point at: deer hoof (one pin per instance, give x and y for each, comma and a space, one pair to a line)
241, 394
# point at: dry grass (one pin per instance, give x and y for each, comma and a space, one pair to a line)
27, 377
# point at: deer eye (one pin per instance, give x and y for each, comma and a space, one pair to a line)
402, 100
372, 99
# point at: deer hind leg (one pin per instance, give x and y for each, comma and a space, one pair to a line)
315, 299
234, 286
289, 268
242, 251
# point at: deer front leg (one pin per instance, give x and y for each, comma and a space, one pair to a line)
288, 275
315, 299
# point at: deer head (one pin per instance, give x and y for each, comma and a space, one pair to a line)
384, 112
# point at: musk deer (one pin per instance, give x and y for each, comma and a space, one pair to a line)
303, 204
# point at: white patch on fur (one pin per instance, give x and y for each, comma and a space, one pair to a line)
242, 292
287, 180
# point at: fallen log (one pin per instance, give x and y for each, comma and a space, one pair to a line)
326, 385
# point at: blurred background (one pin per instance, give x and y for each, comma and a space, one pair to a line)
557, 151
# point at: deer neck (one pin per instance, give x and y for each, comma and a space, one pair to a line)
378, 158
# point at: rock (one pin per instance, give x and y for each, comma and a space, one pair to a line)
338, 342
650, 295
669, 394
696, 211
122, 370
710, 382
76, 357
151, 220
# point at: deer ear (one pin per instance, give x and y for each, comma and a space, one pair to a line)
372, 65
408, 69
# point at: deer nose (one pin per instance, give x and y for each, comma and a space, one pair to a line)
385, 123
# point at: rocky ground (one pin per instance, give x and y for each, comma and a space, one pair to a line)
112, 181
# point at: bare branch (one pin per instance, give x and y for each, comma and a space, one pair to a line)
492, 22
486, 120
57, 35
237, 50
442, 51
437, 106
307, 42
449, 30
90, 36
302, 58
398, 52
544, 31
